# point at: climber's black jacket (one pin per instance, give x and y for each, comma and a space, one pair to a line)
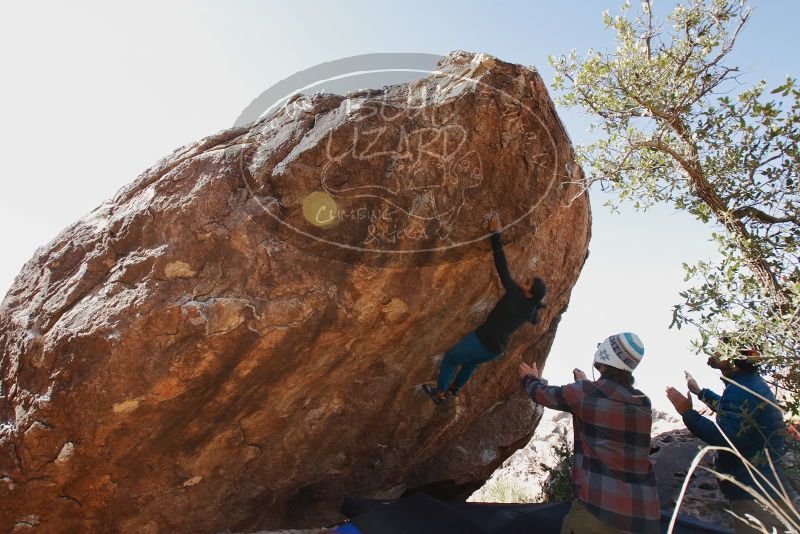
513, 309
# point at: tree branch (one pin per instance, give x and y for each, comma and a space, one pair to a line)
757, 214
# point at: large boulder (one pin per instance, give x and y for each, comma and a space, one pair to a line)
236, 339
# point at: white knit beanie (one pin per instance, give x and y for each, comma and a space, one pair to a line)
623, 351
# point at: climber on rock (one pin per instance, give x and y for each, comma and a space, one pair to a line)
613, 481
519, 305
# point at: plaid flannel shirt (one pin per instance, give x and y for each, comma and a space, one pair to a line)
611, 472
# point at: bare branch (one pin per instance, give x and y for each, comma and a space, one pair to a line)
657, 144
757, 214
647, 6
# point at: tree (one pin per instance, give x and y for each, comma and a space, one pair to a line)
678, 127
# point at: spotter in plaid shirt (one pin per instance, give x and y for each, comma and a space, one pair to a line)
611, 472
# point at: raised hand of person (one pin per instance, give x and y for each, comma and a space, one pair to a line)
528, 370
494, 222
578, 374
682, 404
691, 383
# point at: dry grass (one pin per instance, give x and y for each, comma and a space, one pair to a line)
507, 490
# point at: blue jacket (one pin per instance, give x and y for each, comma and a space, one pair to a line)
749, 422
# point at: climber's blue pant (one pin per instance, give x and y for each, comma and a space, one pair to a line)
468, 353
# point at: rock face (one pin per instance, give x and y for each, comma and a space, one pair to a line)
236, 339
672, 456
522, 475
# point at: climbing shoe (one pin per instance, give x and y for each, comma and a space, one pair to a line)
436, 396
453, 391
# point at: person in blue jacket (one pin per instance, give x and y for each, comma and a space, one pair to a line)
519, 304
748, 415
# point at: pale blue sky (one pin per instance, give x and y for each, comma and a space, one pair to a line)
95, 92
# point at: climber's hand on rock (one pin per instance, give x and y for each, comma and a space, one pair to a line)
494, 222
682, 404
528, 370
578, 374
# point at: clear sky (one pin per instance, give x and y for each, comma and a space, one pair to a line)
95, 92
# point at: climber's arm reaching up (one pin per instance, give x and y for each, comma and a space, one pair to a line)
500, 262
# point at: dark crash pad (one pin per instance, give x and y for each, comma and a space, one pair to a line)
422, 514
